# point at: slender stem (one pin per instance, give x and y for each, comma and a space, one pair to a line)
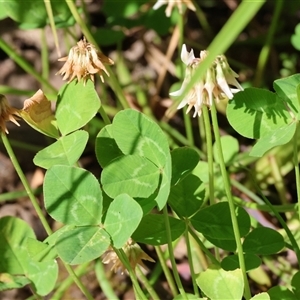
166, 270
104, 116
5, 89
261, 207
122, 256
235, 224
264, 207
44, 55
171, 253
18, 194
190, 260
203, 248
278, 180
210, 161
146, 283
78, 282
188, 126
247, 192
64, 285
175, 134
202, 135
202, 20
52, 24
201, 261
186, 117
24, 181
38, 209
296, 166
103, 281
210, 158
25, 65
282, 223
265, 51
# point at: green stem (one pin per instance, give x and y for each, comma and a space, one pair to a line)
78, 282
190, 260
260, 204
203, 248
52, 24
186, 117
146, 284
37, 208
166, 270
188, 126
64, 285
278, 179
171, 253
265, 51
296, 167
210, 158
210, 161
103, 281
25, 65
202, 135
104, 115
24, 181
18, 194
124, 259
282, 222
235, 225
44, 55
174, 133
202, 20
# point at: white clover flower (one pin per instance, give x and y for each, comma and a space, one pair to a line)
216, 84
172, 3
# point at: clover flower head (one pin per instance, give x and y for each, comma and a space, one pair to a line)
215, 85
6, 114
83, 61
134, 254
172, 3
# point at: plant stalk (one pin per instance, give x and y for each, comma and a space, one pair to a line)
226, 180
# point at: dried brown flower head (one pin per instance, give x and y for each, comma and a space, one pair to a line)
83, 61
6, 114
134, 254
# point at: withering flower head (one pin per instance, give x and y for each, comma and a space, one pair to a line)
83, 61
214, 85
172, 3
134, 254
6, 114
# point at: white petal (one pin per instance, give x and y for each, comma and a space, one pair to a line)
234, 91
231, 80
176, 93
225, 88
159, 3
187, 57
182, 104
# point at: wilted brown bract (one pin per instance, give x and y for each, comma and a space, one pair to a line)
38, 107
